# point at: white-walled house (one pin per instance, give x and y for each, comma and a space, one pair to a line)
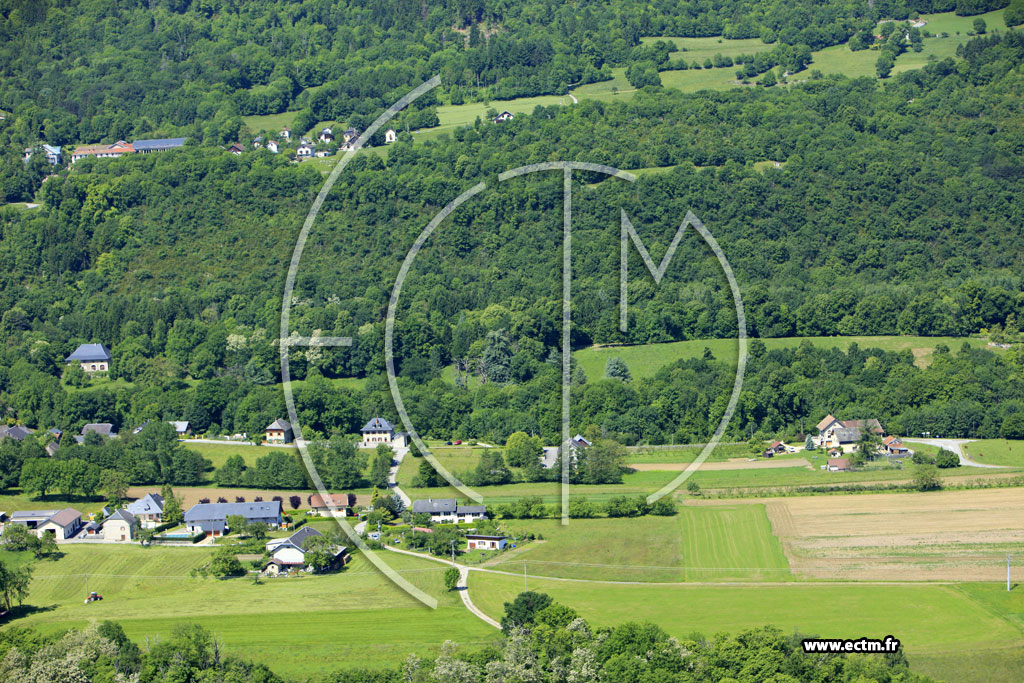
92, 357
149, 510
390, 136
120, 527
448, 511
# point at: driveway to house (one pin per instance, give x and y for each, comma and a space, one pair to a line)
400, 453
954, 446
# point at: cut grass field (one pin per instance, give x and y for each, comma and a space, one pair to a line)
936, 536
996, 452
297, 626
929, 620
644, 360
698, 544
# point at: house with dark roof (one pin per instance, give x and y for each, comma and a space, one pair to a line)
448, 511
326, 135
305, 150
148, 510
212, 518
380, 431
120, 527
102, 428
279, 431
158, 145
17, 432
236, 149
503, 116
92, 357
296, 539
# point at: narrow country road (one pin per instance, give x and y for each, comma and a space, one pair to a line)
954, 446
463, 585
393, 475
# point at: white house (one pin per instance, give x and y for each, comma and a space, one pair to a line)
844, 434
212, 518
484, 542
305, 150
390, 136
503, 116
377, 431
326, 135
149, 510
279, 431
322, 152
448, 511
288, 554
120, 527
61, 524
92, 357
53, 155
286, 133
272, 146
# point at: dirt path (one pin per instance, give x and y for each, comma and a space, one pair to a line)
735, 464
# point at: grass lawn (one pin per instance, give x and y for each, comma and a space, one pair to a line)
929, 620
297, 626
644, 360
698, 544
699, 49
219, 453
996, 452
466, 114
15, 499
270, 121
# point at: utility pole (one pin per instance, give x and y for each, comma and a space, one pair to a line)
1008, 557
525, 585
87, 581
453, 551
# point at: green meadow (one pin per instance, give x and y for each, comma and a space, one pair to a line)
996, 452
697, 544
297, 626
645, 360
946, 630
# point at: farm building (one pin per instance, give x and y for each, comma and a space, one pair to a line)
447, 510
91, 357
893, 446
61, 524
118, 149
844, 433
482, 542
839, 465
212, 518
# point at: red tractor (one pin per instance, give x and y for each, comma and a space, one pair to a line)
93, 597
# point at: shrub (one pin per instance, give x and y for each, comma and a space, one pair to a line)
204, 500
947, 459
664, 506
295, 502
239, 499
222, 499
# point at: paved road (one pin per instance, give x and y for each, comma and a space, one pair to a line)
463, 586
393, 476
954, 446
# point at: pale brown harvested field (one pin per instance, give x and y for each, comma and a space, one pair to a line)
193, 494
733, 464
941, 536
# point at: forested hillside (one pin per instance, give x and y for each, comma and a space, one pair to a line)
896, 209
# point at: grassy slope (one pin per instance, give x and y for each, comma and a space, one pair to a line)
928, 619
297, 626
996, 452
698, 544
645, 360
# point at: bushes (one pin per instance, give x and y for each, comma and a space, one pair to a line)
946, 459
627, 506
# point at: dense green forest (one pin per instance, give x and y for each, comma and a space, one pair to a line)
897, 210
